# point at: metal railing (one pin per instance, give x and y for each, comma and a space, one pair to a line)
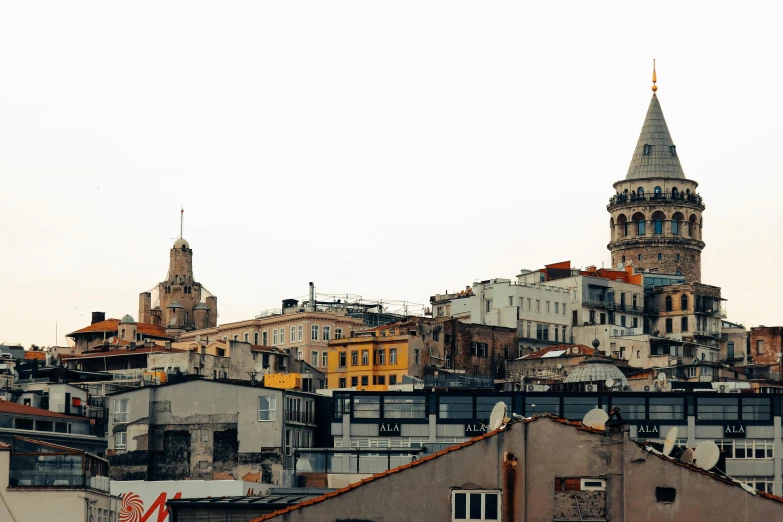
621, 199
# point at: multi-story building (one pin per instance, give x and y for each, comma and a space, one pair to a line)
733, 343
764, 355
383, 355
540, 313
116, 332
656, 223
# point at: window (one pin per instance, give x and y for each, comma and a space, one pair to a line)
673, 150
414, 407
267, 406
640, 228
675, 227
475, 505
484, 406
264, 339
342, 382
626, 235
677, 257
479, 349
381, 380
255, 338
282, 336
647, 149
622, 320
327, 333
760, 346
751, 449
684, 324
436, 335
366, 407
247, 337
667, 408
547, 307
758, 483
293, 334
299, 332
690, 372
392, 379
717, 409
511, 300
640, 257
354, 358
338, 333
314, 332
534, 405
365, 357
635, 322
121, 410
314, 359
556, 335
392, 355
354, 382
668, 304
756, 409
658, 226
564, 308
488, 304
416, 356
455, 407
325, 360
342, 359
564, 333
660, 256
538, 305
603, 318
528, 329
381, 356
529, 301
365, 380
236, 337
121, 440
657, 191
542, 332
640, 191
575, 408
665, 494
274, 337
730, 350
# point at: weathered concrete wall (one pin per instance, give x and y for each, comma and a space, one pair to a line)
771, 337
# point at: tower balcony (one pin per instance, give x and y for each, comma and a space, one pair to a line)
620, 200
655, 240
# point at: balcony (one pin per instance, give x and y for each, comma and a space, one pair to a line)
624, 199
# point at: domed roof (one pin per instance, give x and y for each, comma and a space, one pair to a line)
201, 306
596, 369
179, 243
176, 304
127, 319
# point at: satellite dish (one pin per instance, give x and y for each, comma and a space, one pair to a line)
687, 456
111, 340
559, 366
673, 362
596, 419
225, 338
661, 376
671, 438
198, 338
706, 455
258, 368
497, 416
609, 382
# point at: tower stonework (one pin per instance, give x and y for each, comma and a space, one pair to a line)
656, 213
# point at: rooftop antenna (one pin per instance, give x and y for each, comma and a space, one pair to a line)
181, 219
497, 416
706, 455
671, 438
596, 419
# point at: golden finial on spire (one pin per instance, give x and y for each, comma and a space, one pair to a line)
655, 78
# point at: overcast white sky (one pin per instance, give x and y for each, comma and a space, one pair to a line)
393, 150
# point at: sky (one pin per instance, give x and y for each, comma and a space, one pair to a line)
389, 149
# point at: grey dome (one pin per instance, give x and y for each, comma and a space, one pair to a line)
127, 319
596, 370
179, 243
176, 304
201, 306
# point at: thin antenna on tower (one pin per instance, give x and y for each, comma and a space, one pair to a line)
181, 219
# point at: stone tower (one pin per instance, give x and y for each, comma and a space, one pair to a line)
656, 222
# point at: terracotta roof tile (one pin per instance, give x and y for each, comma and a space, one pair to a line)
30, 355
123, 351
113, 325
21, 409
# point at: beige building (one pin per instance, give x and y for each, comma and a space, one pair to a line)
656, 222
180, 303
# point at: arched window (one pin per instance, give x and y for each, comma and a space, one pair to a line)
684, 302
660, 256
676, 218
622, 223
658, 218
675, 193
639, 219
692, 225
668, 303
640, 257
677, 257
640, 192
657, 192
122, 334
623, 259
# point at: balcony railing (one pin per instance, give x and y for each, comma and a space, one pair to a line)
621, 199
609, 305
303, 417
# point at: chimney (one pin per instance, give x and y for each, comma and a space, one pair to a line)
312, 296
97, 317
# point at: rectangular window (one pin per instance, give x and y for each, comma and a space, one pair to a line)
488, 303
121, 440
354, 382
354, 358
557, 307
392, 379
538, 305
267, 408
529, 301
274, 337
392, 355
264, 339
475, 505
511, 300
314, 359
247, 337
622, 320
528, 329
683, 324
760, 346
757, 409
557, 337
452, 407
382, 379
342, 382
416, 356
381, 356
314, 333
575, 408
547, 307
121, 410
366, 407
484, 406
365, 380
635, 322
564, 309
325, 360
282, 336
299, 330
630, 407
717, 409
293, 334
255, 338
564, 334
342, 359
327, 333
412, 407
730, 350
365, 357
338, 333
668, 325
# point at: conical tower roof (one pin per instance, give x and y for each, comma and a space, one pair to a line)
655, 155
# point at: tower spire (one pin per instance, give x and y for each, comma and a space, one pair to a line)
655, 78
181, 219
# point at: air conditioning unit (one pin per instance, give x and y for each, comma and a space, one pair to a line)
646, 388
530, 387
723, 388
591, 387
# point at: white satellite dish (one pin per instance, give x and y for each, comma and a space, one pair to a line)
198, 338
609, 382
596, 419
673, 362
497, 416
111, 340
559, 366
687, 456
671, 439
706, 455
661, 376
259, 367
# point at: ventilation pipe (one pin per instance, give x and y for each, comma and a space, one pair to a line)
312, 296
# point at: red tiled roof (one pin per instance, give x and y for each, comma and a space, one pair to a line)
123, 351
34, 354
583, 350
113, 325
560, 420
21, 409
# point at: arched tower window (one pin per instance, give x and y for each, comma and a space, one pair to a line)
668, 303
657, 191
675, 193
692, 225
676, 219
684, 302
638, 218
658, 218
660, 256
122, 334
622, 224
640, 191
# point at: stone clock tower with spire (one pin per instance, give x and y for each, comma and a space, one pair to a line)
656, 223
